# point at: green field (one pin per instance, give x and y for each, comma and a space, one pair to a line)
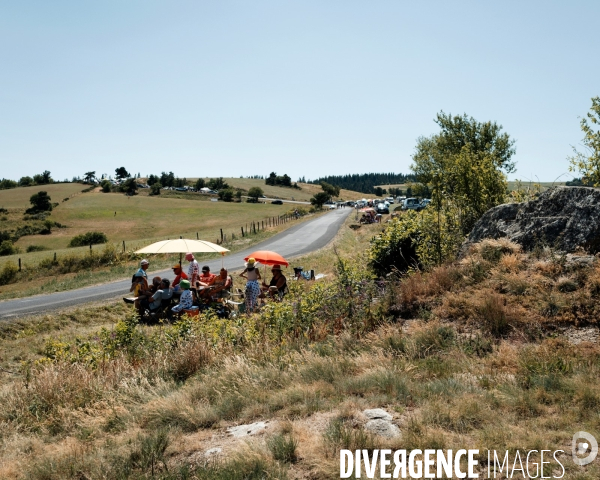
19, 197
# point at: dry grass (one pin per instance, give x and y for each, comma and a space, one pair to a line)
467, 371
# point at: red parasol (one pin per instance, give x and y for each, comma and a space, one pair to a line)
268, 258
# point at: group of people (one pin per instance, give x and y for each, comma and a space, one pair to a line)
200, 286
192, 287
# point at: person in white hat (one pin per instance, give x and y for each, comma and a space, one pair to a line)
252, 275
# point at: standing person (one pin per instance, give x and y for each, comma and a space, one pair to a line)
252, 275
144, 264
193, 269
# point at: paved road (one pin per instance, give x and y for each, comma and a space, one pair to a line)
298, 240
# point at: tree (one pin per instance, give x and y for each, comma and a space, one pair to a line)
464, 167
129, 186
43, 178
271, 179
152, 179
200, 183
331, 190
121, 173
226, 194
155, 188
25, 181
319, 199
106, 186
378, 191
89, 177
588, 163
40, 202
6, 183
255, 193
217, 184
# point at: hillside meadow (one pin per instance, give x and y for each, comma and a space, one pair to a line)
479, 353
139, 221
304, 194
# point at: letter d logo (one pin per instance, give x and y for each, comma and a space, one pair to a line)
580, 448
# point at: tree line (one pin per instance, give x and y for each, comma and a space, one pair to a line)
364, 182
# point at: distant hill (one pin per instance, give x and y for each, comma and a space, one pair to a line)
365, 182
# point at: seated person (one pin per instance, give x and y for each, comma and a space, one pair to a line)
204, 280
153, 294
163, 292
179, 275
138, 286
219, 288
186, 301
277, 285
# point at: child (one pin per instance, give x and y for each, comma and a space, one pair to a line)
186, 301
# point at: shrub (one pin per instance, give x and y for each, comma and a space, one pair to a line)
8, 273
106, 186
36, 248
89, 238
283, 448
7, 248
494, 316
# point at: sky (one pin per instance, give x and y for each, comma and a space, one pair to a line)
307, 88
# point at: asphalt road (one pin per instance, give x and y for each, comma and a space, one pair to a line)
298, 240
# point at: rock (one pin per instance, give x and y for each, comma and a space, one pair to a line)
211, 452
377, 413
383, 428
562, 217
245, 430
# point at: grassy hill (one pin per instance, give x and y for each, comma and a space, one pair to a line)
307, 191
19, 197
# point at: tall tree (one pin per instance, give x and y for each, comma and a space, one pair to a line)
464, 166
588, 163
40, 202
121, 173
89, 177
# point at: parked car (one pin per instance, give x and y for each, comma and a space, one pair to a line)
389, 199
382, 208
425, 202
277, 202
411, 204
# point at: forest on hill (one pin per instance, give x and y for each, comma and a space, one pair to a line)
364, 182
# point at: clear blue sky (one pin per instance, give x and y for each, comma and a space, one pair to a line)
307, 88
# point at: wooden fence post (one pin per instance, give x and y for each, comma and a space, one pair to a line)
221, 235
54, 257
123, 246
197, 237
19, 264
242, 231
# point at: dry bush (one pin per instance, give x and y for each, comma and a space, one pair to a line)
565, 285
512, 262
492, 250
494, 316
416, 289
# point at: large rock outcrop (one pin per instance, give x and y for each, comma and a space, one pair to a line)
565, 218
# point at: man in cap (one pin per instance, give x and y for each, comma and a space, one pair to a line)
193, 269
144, 264
179, 275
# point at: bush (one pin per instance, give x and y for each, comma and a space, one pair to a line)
89, 238
8, 273
7, 248
106, 186
36, 248
414, 240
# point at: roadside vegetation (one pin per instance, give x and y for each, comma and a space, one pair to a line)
481, 351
